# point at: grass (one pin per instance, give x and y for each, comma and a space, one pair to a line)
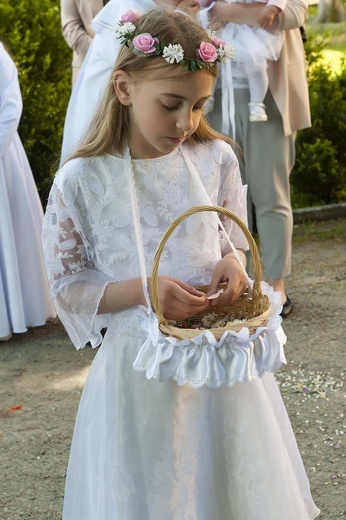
334, 230
334, 35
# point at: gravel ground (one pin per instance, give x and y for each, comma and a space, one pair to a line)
42, 376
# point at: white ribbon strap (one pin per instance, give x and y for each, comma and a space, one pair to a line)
136, 223
228, 109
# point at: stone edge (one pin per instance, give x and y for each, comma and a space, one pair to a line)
319, 213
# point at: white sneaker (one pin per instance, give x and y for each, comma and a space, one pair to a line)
6, 338
257, 112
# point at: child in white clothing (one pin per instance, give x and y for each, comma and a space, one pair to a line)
145, 447
253, 46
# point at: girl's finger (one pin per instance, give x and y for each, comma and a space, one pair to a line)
194, 298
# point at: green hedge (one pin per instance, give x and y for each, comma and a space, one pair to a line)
319, 175
31, 31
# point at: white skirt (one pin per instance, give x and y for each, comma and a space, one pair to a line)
253, 46
149, 450
25, 299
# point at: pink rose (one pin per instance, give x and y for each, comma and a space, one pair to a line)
130, 16
218, 42
145, 43
207, 52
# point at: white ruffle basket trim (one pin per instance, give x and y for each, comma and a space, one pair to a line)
204, 360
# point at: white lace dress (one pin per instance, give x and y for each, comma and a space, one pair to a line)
25, 300
144, 449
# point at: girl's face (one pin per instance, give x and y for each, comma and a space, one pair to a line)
163, 112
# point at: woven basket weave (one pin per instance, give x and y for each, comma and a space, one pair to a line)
251, 311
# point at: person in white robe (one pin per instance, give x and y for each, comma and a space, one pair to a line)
25, 299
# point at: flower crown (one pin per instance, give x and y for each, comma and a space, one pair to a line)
144, 44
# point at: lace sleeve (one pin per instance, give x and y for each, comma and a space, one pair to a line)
232, 195
76, 286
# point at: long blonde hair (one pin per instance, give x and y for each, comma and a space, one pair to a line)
110, 125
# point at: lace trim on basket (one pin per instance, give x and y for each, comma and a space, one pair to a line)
203, 360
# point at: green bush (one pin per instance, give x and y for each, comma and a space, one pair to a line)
319, 175
31, 31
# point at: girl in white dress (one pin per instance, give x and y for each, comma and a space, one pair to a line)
24, 291
153, 441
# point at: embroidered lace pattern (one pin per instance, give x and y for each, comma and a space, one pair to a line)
89, 216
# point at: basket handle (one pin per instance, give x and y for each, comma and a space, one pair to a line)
256, 291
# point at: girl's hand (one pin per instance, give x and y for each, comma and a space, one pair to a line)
179, 300
230, 271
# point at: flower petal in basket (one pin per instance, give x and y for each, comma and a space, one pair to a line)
206, 360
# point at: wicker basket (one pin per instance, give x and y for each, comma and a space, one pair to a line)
251, 311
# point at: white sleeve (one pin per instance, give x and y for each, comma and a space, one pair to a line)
10, 100
76, 286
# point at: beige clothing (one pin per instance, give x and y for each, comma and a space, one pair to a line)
76, 17
287, 76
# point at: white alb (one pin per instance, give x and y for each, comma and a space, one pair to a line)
25, 300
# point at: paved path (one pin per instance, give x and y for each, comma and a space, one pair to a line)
43, 375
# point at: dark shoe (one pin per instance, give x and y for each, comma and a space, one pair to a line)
287, 308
